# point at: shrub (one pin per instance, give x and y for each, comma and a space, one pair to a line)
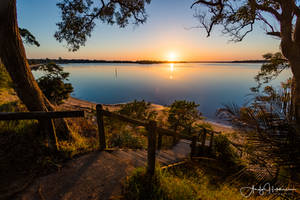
141, 186
183, 114
52, 83
138, 110
223, 150
125, 138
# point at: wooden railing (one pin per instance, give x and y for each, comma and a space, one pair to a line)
45, 120
154, 135
150, 126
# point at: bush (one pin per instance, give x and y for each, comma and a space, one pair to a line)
183, 114
125, 138
52, 83
141, 186
138, 110
223, 150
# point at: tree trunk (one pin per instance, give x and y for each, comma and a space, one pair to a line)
295, 66
13, 56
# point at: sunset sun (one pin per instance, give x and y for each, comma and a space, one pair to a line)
172, 56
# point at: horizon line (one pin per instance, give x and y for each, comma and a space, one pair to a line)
142, 61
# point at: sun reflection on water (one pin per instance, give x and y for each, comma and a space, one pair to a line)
172, 67
171, 71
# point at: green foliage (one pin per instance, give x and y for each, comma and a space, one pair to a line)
269, 126
78, 18
14, 106
162, 186
78, 145
189, 182
28, 37
5, 81
204, 125
183, 114
141, 186
270, 70
138, 110
238, 20
224, 152
52, 83
127, 139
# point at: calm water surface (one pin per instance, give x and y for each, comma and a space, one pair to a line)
209, 85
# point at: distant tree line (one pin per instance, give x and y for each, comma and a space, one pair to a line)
66, 61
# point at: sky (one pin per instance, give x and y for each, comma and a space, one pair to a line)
165, 36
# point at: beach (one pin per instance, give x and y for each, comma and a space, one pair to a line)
74, 103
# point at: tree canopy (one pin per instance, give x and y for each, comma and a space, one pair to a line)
238, 17
79, 16
280, 18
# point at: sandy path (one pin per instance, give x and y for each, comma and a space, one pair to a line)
98, 175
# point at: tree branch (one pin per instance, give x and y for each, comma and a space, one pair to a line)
266, 9
209, 3
277, 34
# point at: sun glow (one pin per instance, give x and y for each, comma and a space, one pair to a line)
172, 56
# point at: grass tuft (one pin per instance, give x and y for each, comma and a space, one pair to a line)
191, 181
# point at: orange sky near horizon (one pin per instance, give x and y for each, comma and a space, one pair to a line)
166, 31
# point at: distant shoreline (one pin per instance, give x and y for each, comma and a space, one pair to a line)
73, 61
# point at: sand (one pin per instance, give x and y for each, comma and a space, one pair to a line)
74, 103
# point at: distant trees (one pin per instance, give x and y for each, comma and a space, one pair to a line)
281, 19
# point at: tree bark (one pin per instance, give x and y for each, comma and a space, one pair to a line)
13, 56
295, 66
290, 47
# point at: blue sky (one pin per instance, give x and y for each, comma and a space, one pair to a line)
163, 34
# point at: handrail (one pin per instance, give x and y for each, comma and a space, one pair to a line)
124, 118
6, 116
153, 132
45, 120
160, 130
151, 127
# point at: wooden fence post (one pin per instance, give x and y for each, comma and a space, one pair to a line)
211, 143
151, 147
100, 122
203, 138
193, 145
159, 142
47, 126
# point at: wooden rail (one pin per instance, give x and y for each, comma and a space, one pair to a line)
45, 120
150, 126
6, 116
154, 136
